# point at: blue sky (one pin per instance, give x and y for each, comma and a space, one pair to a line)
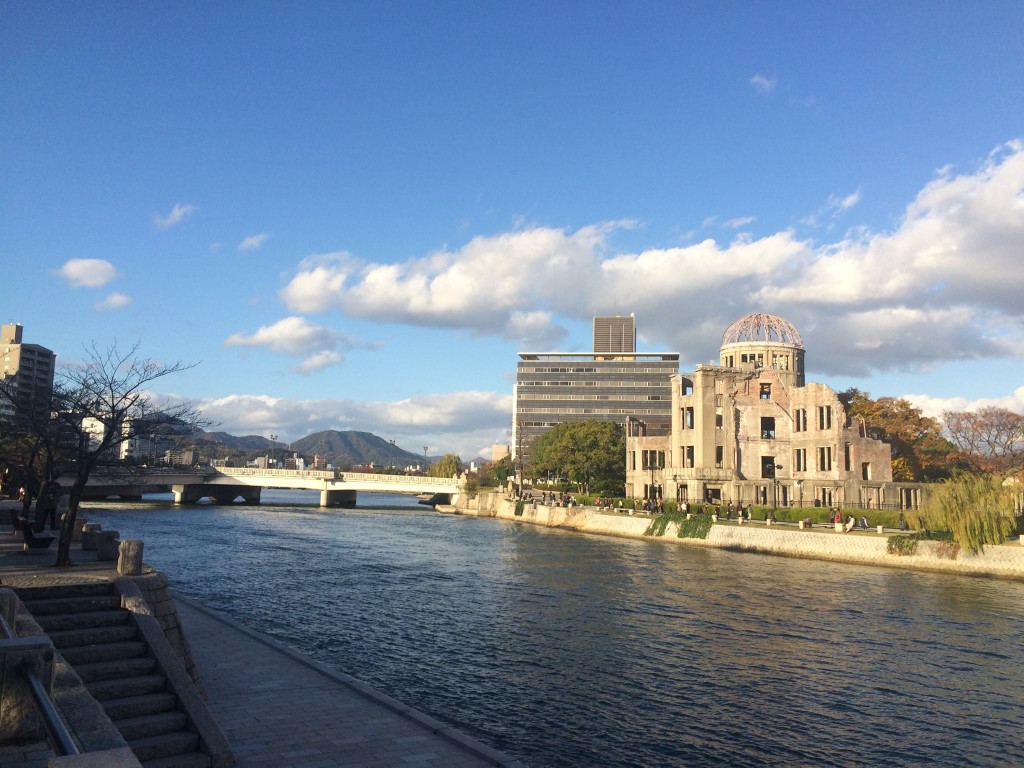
353, 215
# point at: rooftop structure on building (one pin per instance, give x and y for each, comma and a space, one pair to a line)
614, 335
612, 383
750, 430
27, 373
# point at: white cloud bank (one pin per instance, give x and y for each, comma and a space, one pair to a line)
176, 215
87, 273
943, 285
468, 423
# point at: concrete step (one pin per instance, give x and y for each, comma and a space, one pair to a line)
115, 670
104, 690
164, 745
185, 760
134, 728
76, 638
137, 706
83, 620
73, 604
88, 654
85, 589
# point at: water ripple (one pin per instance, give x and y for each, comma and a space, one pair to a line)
569, 650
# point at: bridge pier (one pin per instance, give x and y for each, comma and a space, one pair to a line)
188, 494
221, 494
337, 498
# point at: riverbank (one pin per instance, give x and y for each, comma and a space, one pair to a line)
276, 706
1004, 561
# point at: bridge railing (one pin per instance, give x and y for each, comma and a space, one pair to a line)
398, 479
318, 474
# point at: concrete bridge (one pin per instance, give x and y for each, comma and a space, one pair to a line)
226, 484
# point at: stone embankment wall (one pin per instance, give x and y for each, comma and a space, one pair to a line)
863, 548
154, 589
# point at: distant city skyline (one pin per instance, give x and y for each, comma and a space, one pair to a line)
354, 216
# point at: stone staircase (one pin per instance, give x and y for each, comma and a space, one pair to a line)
105, 647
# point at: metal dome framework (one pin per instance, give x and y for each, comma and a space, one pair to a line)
760, 327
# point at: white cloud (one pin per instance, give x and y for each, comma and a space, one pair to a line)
87, 273
841, 204
942, 285
113, 301
935, 406
467, 423
740, 221
252, 242
764, 84
316, 346
176, 215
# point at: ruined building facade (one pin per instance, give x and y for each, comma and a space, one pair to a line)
750, 430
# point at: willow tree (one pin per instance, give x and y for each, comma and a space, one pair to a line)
977, 509
449, 465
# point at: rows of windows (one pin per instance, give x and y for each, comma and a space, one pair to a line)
601, 383
823, 416
569, 396
626, 411
666, 369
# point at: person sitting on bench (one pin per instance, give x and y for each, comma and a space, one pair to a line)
34, 540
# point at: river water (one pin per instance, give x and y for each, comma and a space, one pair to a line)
570, 650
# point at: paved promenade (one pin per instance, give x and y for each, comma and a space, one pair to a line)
280, 708
276, 706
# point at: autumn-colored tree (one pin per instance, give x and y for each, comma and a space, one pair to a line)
920, 452
989, 439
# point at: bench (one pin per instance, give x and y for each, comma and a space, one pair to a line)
33, 541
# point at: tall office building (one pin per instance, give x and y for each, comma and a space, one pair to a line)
612, 383
27, 371
614, 335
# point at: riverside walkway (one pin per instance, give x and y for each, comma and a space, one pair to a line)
281, 708
276, 706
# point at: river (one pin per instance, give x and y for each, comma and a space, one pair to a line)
570, 650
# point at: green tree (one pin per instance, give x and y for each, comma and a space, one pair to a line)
977, 509
494, 474
920, 452
586, 452
449, 465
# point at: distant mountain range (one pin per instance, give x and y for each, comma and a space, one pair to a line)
340, 449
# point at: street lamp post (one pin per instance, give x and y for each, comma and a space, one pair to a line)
273, 442
425, 448
775, 488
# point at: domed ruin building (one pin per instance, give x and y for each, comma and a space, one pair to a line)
750, 430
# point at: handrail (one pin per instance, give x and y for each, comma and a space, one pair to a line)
58, 733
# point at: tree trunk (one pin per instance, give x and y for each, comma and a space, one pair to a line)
67, 525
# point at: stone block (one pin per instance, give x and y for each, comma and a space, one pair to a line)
129, 557
107, 546
90, 536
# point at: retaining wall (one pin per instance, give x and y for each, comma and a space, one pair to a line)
862, 548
